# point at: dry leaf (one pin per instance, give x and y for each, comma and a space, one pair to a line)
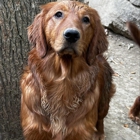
126, 125
116, 75
133, 72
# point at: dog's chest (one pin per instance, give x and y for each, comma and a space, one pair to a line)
64, 97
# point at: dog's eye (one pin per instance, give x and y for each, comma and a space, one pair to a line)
58, 14
86, 20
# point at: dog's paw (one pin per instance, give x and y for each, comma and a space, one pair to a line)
99, 137
134, 118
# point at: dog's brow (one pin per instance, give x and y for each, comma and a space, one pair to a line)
74, 6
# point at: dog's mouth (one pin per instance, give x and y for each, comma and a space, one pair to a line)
70, 39
69, 50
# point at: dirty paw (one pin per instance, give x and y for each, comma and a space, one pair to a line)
99, 137
136, 119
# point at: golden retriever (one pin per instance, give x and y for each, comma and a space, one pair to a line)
67, 85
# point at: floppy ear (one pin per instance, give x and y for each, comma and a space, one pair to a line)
36, 31
99, 43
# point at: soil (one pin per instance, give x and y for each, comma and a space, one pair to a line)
124, 57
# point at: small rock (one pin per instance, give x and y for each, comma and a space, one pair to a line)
122, 44
107, 32
130, 46
126, 125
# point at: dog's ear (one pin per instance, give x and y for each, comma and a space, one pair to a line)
36, 31
99, 43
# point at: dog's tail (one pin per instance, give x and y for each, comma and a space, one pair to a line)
135, 32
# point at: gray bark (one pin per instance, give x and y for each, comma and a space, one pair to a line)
15, 17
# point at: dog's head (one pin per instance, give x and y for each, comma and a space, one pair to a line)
68, 28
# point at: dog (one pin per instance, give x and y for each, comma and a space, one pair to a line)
134, 113
67, 85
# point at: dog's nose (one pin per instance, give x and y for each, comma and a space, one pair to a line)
71, 35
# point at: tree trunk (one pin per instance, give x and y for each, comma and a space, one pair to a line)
15, 17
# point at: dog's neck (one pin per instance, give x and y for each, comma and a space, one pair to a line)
70, 66
55, 67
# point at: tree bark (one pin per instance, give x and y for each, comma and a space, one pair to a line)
15, 17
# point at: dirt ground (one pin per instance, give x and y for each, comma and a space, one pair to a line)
124, 57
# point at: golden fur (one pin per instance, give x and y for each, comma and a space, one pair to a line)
66, 87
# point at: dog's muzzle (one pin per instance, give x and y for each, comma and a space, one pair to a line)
71, 35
